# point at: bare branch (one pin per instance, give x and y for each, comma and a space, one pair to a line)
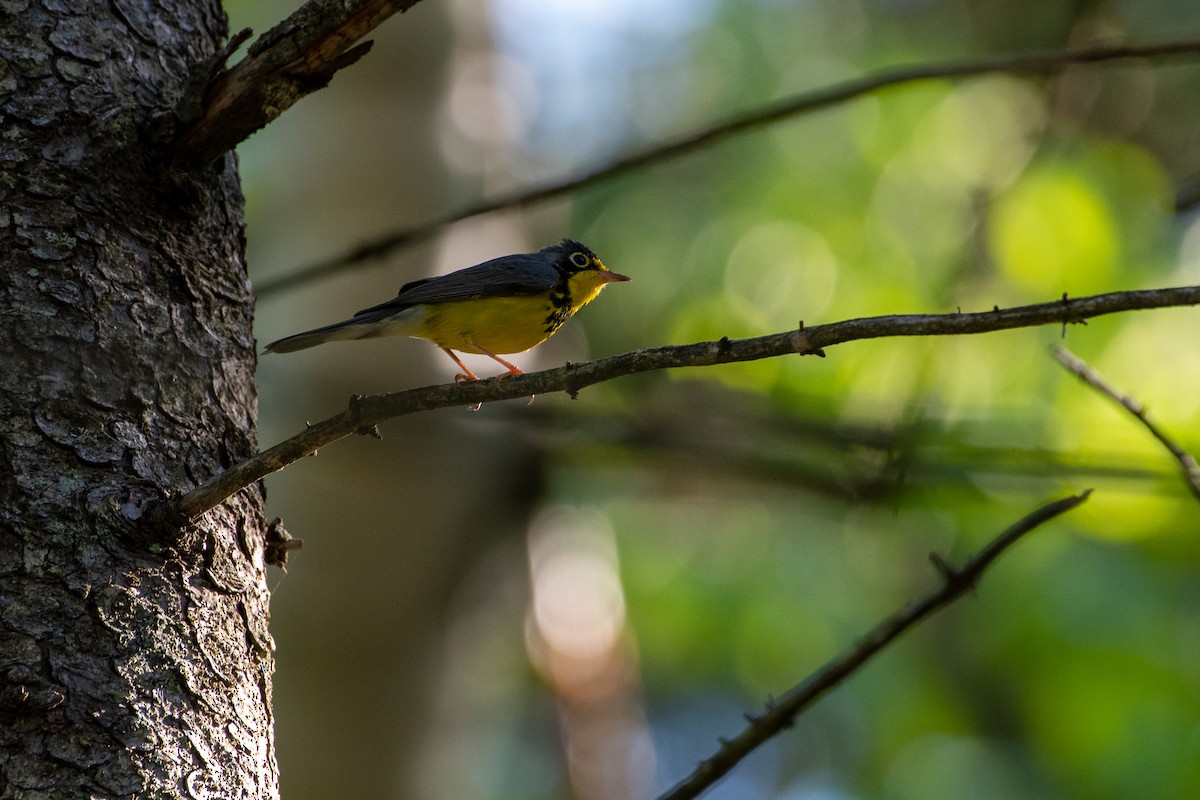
1038, 63
293, 59
1191, 471
366, 412
782, 713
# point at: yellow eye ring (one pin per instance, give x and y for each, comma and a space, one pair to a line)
580, 260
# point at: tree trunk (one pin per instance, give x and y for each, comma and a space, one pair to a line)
134, 658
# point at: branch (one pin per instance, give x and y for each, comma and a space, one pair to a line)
1037, 63
295, 58
366, 412
781, 713
1191, 470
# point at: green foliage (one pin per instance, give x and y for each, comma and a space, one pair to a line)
762, 516
1071, 674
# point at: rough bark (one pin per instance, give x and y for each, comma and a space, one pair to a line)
134, 661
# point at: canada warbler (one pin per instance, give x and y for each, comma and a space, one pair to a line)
506, 305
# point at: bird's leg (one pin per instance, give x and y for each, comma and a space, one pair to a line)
466, 374
513, 369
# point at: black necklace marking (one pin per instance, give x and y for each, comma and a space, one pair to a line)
560, 305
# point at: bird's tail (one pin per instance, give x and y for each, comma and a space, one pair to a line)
349, 329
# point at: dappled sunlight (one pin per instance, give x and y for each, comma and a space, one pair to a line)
785, 270
1172, 395
932, 189
1120, 514
584, 82
882, 382
968, 376
578, 613
1054, 233
926, 218
578, 641
486, 112
983, 133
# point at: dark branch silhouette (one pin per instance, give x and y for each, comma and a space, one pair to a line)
295, 58
781, 713
1038, 63
366, 412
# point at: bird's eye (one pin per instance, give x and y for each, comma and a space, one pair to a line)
580, 260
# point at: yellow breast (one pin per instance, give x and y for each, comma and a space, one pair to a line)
504, 324
495, 324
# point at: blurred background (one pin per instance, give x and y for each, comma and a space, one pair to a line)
576, 598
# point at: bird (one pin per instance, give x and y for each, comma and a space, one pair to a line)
506, 305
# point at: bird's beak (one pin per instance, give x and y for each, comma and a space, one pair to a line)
612, 277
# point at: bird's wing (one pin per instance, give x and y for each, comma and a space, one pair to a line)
525, 273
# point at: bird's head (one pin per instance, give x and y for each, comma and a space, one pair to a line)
586, 274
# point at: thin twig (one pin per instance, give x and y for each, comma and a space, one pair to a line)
366, 412
782, 712
1028, 63
1191, 470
